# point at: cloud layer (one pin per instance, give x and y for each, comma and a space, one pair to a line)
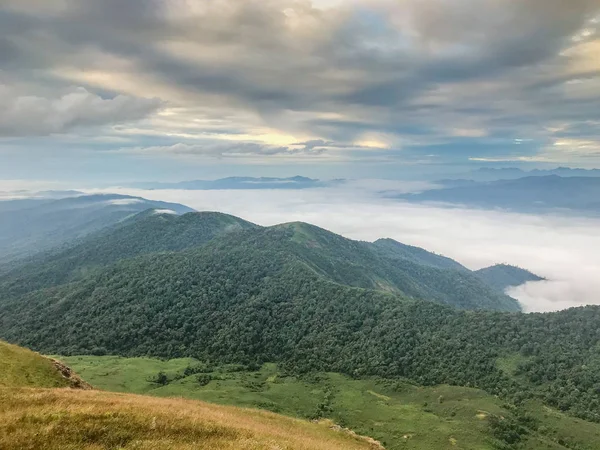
418, 80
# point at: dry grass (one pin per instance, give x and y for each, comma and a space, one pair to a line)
68, 419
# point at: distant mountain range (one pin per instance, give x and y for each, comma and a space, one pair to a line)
510, 173
296, 182
29, 226
529, 194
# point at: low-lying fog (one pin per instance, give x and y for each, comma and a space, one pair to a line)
565, 250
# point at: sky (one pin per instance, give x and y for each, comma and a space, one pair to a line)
117, 90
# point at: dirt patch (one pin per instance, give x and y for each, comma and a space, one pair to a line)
67, 373
380, 396
482, 415
335, 427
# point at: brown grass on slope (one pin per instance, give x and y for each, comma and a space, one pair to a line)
66, 419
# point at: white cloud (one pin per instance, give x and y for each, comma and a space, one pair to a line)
124, 201
561, 249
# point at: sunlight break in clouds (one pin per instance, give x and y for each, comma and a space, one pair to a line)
561, 249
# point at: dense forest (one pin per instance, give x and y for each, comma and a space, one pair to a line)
274, 295
385, 265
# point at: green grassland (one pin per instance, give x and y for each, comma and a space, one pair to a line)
399, 414
20, 367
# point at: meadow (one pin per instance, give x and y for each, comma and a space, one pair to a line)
397, 413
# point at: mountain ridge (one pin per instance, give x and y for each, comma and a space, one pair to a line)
383, 265
503, 276
49, 224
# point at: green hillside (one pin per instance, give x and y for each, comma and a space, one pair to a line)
147, 232
20, 367
502, 276
394, 268
397, 250
304, 298
385, 265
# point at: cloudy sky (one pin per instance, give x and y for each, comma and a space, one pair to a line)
176, 89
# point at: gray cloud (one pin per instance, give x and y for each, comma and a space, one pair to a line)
27, 115
408, 69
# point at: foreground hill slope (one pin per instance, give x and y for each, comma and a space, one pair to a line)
397, 413
97, 420
34, 417
49, 224
502, 276
20, 367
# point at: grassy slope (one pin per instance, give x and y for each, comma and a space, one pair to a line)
32, 416
64, 419
20, 367
400, 415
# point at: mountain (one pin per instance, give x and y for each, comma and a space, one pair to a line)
296, 182
502, 276
385, 265
28, 227
512, 173
235, 301
530, 194
144, 233
36, 415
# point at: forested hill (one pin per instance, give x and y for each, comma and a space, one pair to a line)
147, 232
28, 227
385, 265
502, 276
397, 250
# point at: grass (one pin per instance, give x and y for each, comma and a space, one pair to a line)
398, 414
67, 419
20, 367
